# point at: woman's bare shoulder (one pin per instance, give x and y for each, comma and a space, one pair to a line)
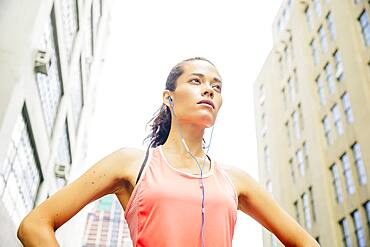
238, 176
131, 160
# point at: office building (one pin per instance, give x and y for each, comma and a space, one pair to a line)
312, 108
51, 53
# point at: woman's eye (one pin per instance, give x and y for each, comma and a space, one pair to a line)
195, 80
218, 87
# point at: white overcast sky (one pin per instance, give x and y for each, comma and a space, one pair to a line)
147, 39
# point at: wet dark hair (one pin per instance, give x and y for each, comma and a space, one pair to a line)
161, 122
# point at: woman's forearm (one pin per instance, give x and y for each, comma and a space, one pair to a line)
36, 234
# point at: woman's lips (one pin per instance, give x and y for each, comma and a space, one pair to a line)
206, 104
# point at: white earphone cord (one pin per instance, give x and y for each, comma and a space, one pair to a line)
201, 169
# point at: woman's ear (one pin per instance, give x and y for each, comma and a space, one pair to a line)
166, 97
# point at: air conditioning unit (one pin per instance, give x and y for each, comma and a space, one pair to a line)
61, 171
42, 62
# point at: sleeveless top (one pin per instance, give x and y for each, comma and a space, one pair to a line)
165, 207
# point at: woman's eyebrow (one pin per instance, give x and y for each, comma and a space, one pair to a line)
202, 76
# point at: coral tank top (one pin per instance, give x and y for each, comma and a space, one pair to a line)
165, 207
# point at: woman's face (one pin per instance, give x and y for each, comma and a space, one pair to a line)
199, 81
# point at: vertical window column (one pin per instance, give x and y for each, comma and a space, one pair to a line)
347, 171
313, 208
330, 25
330, 78
359, 231
320, 90
20, 174
50, 85
306, 210
314, 54
361, 171
347, 107
337, 119
365, 27
296, 125
308, 13
267, 158
336, 183
338, 65
323, 40
327, 130
345, 232
300, 161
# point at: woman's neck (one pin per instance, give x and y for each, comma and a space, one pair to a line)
193, 136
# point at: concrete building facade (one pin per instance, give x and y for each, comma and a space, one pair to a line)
51, 53
312, 107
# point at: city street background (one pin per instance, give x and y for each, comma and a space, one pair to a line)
147, 39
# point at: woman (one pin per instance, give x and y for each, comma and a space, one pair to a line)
178, 196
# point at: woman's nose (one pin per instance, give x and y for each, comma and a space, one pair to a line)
208, 90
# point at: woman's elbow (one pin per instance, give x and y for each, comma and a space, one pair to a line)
23, 230
34, 232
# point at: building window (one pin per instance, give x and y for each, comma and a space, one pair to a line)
320, 90
50, 85
286, 56
70, 24
330, 25
281, 68
315, 56
305, 152
300, 161
301, 125
287, 129
329, 77
336, 183
267, 158
296, 211
365, 28
20, 174
262, 94
359, 231
291, 89
306, 210
63, 157
356, 151
269, 186
296, 125
327, 130
295, 80
323, 40
337, 120
291, 166
345, 232
347, 107
77, 93
312, 204
348, 173
367, 210
89, 42
263, 124
317, 6
338, 65
308, 13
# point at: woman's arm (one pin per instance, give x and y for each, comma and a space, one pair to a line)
255, 201
105, 177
